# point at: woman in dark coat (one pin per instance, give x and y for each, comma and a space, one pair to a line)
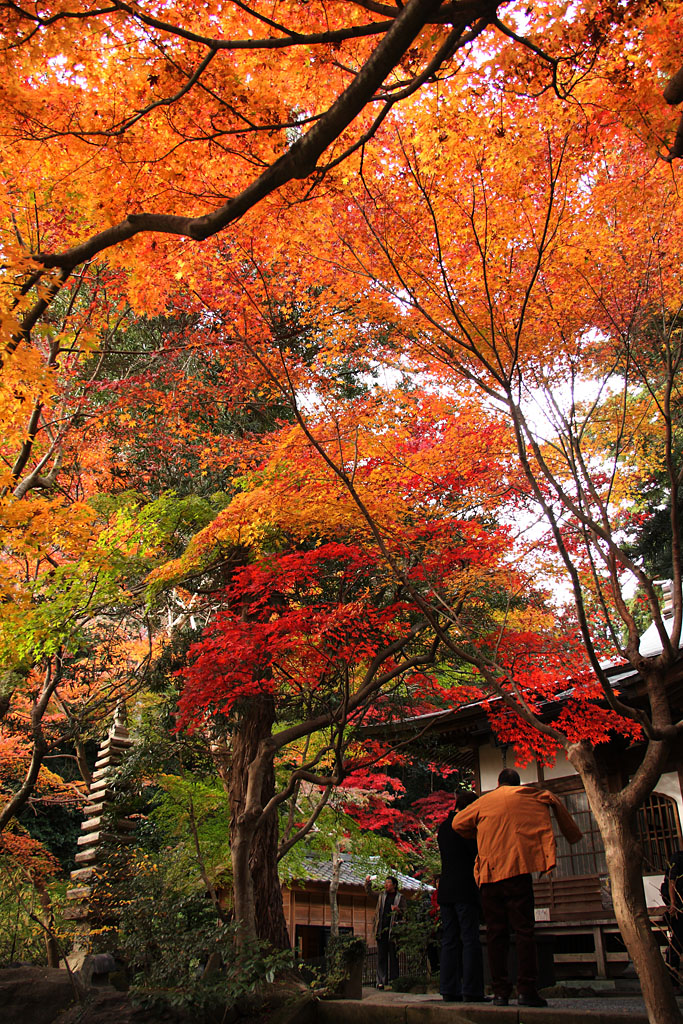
462, 968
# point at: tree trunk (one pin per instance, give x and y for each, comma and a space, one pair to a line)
242, 881
222, 758
254, 840
334, 889
20, 798
82, 762
48, 922
624, 863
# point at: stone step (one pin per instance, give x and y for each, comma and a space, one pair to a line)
75, 913
86, 856
79, 892
91, 824
101, 798
90, 807
93, 838
121, 737
94, 809
82, 875
116, 739
97, 793
99, 788
89, 839
107, 762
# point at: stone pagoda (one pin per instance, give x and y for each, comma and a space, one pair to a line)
99, 801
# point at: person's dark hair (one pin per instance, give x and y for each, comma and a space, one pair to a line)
464, 798
392, 878
509, 777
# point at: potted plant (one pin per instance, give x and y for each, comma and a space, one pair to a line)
345, 956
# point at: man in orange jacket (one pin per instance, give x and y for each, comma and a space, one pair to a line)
514, 836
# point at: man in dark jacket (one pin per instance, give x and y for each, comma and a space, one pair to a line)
515, 837
462, 971
389, 907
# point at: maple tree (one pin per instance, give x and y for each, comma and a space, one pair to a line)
314, 635
532, 277
76, 637
285, 666
446, 189
425, 534
24, 861
109, 129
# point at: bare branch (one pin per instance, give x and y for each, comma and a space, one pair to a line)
299, 161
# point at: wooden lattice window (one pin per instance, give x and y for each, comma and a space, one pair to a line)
587, 857
659, 831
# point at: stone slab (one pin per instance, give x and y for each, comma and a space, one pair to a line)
79, 892
86, 857
351, 1011
79, 913
34, 995
89, 838
99, 788
94, 808
428, 1008
438, 1012
81, 875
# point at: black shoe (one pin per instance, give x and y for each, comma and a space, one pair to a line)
452, 999
476, 999
532, 999
500, 1000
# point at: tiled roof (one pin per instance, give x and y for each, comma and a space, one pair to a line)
620, 675
353, 872
650, 641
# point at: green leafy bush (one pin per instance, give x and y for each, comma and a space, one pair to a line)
410, 983
412, 933
21, 939
343, 951
179, 955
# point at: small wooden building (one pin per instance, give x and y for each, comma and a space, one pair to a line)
573, 905
307, 903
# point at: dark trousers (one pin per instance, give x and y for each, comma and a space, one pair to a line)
462, 966
387, 960
508, 906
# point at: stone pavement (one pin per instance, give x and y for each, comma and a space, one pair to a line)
428, 1008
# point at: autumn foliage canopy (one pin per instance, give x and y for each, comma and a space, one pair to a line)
340, 381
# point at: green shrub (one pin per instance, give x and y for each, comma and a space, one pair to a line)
165, 932
413, 932
410, 983
342, 952
21, 939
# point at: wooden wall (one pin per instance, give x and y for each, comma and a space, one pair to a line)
309, 904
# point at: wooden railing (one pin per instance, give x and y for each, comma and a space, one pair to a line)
571, 899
